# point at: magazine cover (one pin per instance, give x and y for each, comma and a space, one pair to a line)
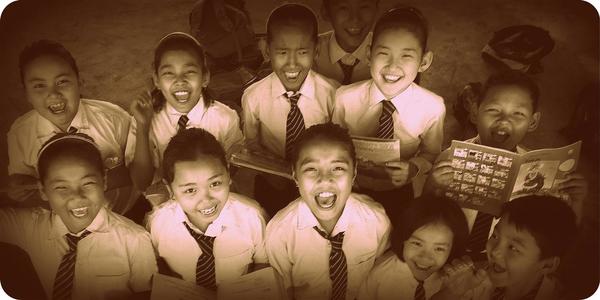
486, 177
371, 155
261, 161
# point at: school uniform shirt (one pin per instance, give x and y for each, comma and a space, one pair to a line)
392, 279
218, 119
105, 122
330, 52
549, 289
418, 120
239, 230
265, 108
301, 255
115, 260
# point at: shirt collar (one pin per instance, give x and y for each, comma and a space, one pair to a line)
306, 219
306, 90
195, 114
46, 128
377, 96
99, 224
225, 219
336, 52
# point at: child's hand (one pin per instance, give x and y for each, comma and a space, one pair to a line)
460, 276
400, 172
576, 186
441, 175
141, 109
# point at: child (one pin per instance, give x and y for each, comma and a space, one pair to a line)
392, 106
343, 51
50, 78
431, 232
79, 249
280, 106
328, 226
203, 209
507, 110
522, 254
178, 102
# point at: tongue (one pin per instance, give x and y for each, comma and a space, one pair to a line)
325, 201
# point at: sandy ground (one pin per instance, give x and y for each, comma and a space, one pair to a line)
113, 41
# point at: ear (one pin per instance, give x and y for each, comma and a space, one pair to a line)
355, 172
294, 176
171, 194
317, 50
535, 121
426, 61
550, 265
155, 80
205, 77
105, 181
368, 55
41, 190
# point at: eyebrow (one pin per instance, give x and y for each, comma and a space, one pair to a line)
194, 184
59, 180
43, 79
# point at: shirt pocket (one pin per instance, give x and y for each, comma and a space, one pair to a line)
231, 267
358, 268
111, 275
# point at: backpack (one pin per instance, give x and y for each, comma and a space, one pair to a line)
519, 47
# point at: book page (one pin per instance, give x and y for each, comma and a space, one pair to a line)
261, 161
263, 284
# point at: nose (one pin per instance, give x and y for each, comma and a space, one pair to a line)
54, 91
203, 195
325, 176
494, 248
292, 60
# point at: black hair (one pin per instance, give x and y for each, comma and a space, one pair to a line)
76, 146
178, 42
327, 3
515, 78
188, 145
330, 132
548, 219
42, 48
404, 17
293, 14
427, 210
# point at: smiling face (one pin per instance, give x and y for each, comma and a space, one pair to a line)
74, 189
351, 21
180, 77
427, 249
324, 173
514, 257
504, 117
201, 187
396, 59
52, 87
292, 51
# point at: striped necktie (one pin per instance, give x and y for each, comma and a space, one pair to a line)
338, 271
63, 282
294, 124
182, 123
420, 291
72, 130
347, 70
480, 232
386, 123
205, 267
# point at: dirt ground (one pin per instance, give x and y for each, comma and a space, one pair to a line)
113, 40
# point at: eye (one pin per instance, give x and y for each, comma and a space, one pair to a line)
441, 249
190, 191
63, 82
382, 53
407, 56
519, 114
167, 74
215, 184
339, 169
415, 243
303, 52
191, 72
60, 188
39, 85
513, 248
89, 183
281, 52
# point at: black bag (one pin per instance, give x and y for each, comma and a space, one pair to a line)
518, 48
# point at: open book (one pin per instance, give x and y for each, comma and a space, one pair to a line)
486, 177
263, 284
375, 152
261, 161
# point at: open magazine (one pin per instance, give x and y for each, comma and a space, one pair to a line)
486, 177
371, 156
263, 284
261, 161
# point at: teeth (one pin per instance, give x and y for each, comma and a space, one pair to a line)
181, 93
355, 30
391, 77
291, 75
57, 107
79, 212
498, 269
501, 132
326, 194
208, 211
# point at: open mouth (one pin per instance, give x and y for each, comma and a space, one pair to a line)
182, 96
389, 78
80, 212
57, 108
354, 30
495, 268
326, 200
500, 135
209, 211
291, 75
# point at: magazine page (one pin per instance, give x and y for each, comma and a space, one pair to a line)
261, 161
371, 155
541, 170
263, 284
483, 176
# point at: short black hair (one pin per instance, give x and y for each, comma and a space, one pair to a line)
188, 145
403, 17
74, 146
329, 132
548, 219
327, 3
178, 41
516, 78
293, 14
43, 48
429, 210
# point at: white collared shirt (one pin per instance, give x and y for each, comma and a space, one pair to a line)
115, 260
265, 108
418, 119
105, 122
239, 242
391, 279
330, 52
218, 119
301, 255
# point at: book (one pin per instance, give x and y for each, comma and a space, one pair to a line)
485, 177
371, 156
261, 161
